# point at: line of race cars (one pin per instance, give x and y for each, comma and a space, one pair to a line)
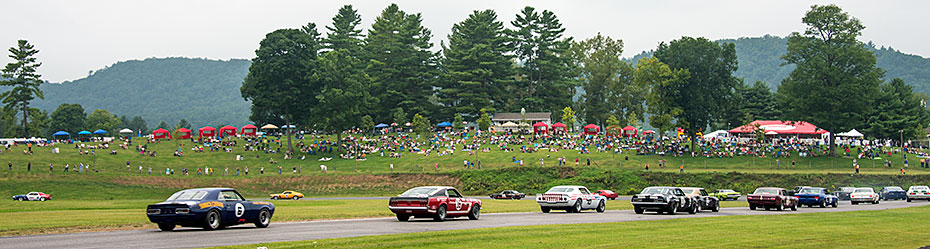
214, 208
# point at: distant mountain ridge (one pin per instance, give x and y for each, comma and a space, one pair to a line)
203, 91
206, 92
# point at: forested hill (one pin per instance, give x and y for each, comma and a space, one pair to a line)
205, 92
760, 59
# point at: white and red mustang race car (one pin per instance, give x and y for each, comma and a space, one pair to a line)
572, 199
437, 202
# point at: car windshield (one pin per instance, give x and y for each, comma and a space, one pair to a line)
894, 189
863, 190
418, 192
652, 191
809, 191
560, 189
847, 189
726, 191
766, 191
188, 195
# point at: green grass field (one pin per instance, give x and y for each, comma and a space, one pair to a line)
76, 215
895, 228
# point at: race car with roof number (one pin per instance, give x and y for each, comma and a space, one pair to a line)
210, 208
437, 202
33, 196
572, 199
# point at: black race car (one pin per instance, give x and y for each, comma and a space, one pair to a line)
508, 194
893, 193
667, 200
210, 208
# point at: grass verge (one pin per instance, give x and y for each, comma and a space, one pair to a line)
895, 228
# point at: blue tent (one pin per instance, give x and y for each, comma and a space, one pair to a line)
100, 131
84, 133
61, 133
444, 124
381, 125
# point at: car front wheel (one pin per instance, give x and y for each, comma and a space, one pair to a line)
545, 209
212, 220
42, 199
716, 207
475, 212
577, 207
166, 226
673, 207
274, 197
638, 210
296, 198
264, 218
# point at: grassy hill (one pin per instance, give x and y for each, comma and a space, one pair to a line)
205, 92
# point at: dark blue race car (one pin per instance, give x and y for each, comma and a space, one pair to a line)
210, 208
812, 196
893, 193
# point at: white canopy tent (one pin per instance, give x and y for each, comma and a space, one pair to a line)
269, 126
125, 131
852, 133
716, 134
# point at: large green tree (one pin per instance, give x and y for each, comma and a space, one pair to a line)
278, 83
708, 91
547, 76
898, 112
477, 69
68, 117
836, 80
401, 65
343, 94
663, 84
23, 80
344, 32
607, 81
104, 120
138, 125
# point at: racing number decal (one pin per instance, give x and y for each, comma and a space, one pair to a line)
240, 209
458, 204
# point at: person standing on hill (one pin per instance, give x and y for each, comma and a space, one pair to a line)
647, 167
857, 168
29, 167
10, 163
681, 169
51, 167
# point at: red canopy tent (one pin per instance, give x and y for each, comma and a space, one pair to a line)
207, 131
556, 126
161, 133
228, 130
248, 130
540, 127
629, 130
778, 127
646, 132
185, 133
613, 131
591, 129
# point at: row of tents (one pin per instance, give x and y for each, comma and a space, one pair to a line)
184, 133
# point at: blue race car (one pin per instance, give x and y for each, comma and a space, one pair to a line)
210, 208
893, 192
811, 196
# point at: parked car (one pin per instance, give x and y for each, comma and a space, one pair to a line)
607, 194
437, 202
769, 198
667, 200
918, 192
811, 196
288, 194
843, 192
210, 208
572, 199
725, 194
861, 195
892, 192
702, 200
33, 196
508, 194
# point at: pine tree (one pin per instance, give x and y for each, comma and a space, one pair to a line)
344, 33
547, 71
401, 66
21, 76
477, 71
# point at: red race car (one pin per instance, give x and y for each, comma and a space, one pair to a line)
437, 202
607, 193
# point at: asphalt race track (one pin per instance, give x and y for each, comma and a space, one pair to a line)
248, 234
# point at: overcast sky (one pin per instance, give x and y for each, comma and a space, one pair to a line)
77, 36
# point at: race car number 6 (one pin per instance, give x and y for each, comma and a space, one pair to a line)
240, 209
